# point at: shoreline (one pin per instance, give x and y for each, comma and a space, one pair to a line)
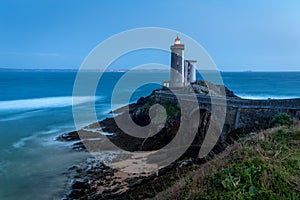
87, 176
95, 180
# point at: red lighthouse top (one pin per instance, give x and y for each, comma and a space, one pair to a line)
177, 41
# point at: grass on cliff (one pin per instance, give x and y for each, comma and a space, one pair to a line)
263, 166
171, 109
265, 169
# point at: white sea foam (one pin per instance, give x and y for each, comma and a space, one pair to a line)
49, 102
20, 115
21, 143
97, 130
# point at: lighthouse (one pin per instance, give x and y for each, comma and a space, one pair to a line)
183, 72
177, 64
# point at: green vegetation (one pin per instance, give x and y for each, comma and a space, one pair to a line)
266, 168
171, 109
281, 119
148, 104
261, 166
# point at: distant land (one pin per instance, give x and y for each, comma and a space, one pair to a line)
73, 70
3, 69
36, 70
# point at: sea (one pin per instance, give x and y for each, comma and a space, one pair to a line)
36, 107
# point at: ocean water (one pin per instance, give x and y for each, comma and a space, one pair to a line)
36, 107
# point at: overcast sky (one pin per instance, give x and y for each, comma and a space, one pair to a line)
239, 35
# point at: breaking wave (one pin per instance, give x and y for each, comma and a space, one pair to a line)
49, 102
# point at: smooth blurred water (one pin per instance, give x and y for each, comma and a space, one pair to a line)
263, 85
35, 107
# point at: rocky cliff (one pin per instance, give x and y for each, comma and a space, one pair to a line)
94, 180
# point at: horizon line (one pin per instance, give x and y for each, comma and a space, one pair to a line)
124, 69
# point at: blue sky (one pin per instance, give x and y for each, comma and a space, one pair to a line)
239, 35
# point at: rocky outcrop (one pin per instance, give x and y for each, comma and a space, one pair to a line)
95, 180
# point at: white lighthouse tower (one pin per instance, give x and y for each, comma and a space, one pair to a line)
177, 64
183, 72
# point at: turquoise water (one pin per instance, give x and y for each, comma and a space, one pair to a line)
35, 107
263, 85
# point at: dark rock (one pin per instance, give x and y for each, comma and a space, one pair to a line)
93, 174
106, 191
76, 194
68, 137
73, 167
79, 184
79, 146
135, 182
